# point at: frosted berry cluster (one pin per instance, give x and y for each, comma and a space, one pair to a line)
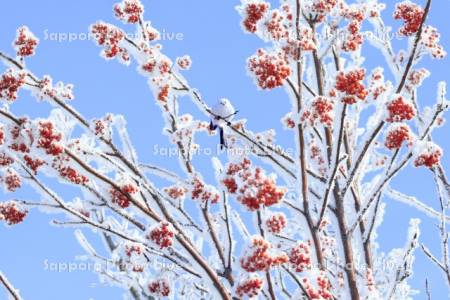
253, 11
322, 291
350, 83
10, 83
11, 213
110, 38
276, 222
399, 109
259, 257
184, 62
134, 255
121, 197
300, 257
411, 14
162, 234
397, 135
129, 11
176, 192
159, 288
377, 86
25, 42
250, 287
203, 192
427, 154
270, 69
321, 110
252, 187
416, 78
430, 40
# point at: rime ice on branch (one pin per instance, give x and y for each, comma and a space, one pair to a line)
315, 213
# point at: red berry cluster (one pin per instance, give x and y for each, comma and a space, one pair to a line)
132, 249
33, 164
254, 11
12, 181
159, 288
276, 223
354, 38
25, 42
350, 84
149, 66
163, 94
162, 234
69, 173
377, 85
249, 287
110, 37
134, 252
316, 155
204, 193
411, 14
176, 192
322, 292
10, 83
275, 26
427, 154
252, 187
259, 258
430, 40
321, 110
5, 160
270, 69
323, 7
121, 197
184, 62
288, 121
415, 78
49, 139
11, 213
399, 109
129, 11
305, 43
300, 257
397, 135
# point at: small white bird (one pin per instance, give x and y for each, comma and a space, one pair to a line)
223, 112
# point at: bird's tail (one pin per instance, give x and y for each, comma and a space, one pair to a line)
222, 138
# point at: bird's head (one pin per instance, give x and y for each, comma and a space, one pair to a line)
224, 101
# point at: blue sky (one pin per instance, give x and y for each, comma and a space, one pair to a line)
211, 35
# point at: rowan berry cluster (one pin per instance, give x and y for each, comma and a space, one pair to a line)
276, 222
300, 257
411, 14
321, 110
259, 257
25, 42
270, 69
159, 288
350, 84
162, 234
252, 187
427, 154
203, 192
11, 213
129, 11
121, 197
110, 38
399, 109
250, 287
397, 135
10, 83
253, 12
